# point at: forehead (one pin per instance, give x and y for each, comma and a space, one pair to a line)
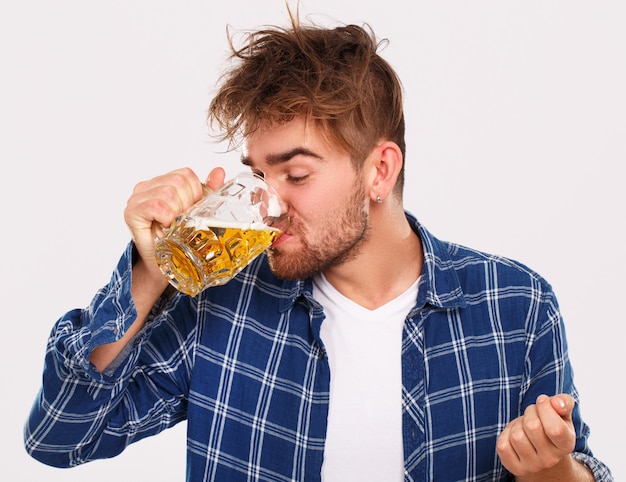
296, 136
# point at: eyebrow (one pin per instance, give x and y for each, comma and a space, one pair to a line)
282, 157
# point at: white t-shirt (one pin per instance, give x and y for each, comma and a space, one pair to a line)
364, 435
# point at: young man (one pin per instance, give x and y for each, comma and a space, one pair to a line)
360, 347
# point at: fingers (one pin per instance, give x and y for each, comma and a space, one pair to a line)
540, 438
555, 414
155, 203
563, 404
514, 448
164, 197
215, 178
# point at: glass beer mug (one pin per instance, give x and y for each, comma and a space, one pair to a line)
220, 234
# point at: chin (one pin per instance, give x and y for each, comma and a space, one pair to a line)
291, 266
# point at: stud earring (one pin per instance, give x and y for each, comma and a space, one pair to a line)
378, 199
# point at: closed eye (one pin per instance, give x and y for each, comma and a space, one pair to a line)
296, 179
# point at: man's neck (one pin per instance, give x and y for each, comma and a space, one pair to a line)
388, 264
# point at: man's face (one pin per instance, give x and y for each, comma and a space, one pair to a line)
327, 199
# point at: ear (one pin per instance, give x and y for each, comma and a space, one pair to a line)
385, 164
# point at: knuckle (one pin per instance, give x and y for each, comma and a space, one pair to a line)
502, 446
555, 433
517, 436
532, 425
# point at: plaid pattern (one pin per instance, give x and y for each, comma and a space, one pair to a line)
244, 365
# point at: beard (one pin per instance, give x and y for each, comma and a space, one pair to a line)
332, 243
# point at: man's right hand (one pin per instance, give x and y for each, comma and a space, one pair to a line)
155, 203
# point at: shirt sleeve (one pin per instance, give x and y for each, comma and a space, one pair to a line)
549, 371
82, 414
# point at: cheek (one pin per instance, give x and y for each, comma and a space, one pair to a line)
322, 201
315, 205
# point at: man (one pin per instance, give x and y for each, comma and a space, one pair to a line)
360, 347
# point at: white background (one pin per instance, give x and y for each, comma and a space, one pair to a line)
516, 140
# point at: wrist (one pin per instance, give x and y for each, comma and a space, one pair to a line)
568, 469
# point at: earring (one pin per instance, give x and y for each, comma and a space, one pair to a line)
378, 199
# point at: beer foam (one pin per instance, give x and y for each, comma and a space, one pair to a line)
207, 224
273, 207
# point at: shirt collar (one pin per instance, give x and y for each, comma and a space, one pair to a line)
293, 290
439, 283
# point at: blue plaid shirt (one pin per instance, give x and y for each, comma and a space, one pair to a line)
244, 365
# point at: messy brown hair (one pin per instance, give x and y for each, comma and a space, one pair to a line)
332, 76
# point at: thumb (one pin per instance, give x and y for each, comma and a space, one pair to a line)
563, 404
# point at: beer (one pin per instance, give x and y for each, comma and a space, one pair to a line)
196, 257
